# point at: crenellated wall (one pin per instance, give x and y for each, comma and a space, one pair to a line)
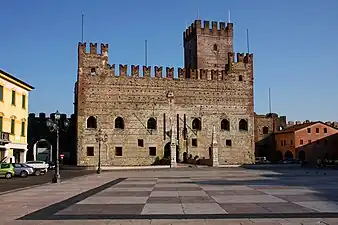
242, 63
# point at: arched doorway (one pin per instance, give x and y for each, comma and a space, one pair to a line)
167, 152
279, 156
301, 155
288, 155
42, 151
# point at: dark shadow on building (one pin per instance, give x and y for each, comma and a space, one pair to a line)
37, 130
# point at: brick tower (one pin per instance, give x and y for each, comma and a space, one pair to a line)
207, 47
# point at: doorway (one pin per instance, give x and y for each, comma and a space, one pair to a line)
167, 152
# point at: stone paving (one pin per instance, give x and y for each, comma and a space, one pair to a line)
186, 196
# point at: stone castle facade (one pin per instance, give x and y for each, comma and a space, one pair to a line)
141, 112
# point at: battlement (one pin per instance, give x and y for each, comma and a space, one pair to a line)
82, 49
163, 72
42, 116
240, 57
216, 29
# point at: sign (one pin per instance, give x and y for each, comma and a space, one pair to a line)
62, 155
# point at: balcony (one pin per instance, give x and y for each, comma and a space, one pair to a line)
4, 137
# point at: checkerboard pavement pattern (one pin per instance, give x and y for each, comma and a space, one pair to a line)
209, 196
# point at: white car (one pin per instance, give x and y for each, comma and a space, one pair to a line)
39, 166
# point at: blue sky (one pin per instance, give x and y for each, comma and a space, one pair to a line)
294, 45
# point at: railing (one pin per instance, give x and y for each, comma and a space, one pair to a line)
4, 137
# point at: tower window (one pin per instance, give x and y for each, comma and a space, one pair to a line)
215, 47
240, 78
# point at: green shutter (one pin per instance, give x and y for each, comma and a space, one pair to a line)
24, 101
13, 97
0, 123
12, 126
23, 129
1, 93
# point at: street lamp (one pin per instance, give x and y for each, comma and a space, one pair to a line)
100, 137
56, 125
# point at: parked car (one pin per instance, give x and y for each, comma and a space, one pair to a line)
6, 170
40, 167
22, 170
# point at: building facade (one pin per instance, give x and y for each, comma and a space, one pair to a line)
14, 97
307, 141
265, 128
140, 113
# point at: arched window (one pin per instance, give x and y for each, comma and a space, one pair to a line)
196, 124
243, 125
240, 78
91, 122
265, 130
151, 124
225, 125
119, 123
215, 47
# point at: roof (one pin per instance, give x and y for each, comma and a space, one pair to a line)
11, 78
297, 127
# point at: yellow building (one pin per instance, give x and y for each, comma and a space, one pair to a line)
13, 117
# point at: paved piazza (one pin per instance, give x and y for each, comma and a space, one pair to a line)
181, 196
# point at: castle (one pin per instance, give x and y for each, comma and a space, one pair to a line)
208, 102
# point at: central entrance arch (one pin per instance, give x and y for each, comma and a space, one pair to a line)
167, 152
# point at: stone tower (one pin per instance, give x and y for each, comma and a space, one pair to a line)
207, 47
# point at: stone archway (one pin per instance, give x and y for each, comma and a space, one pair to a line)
279, 156
167, 151
46, 155
288, 155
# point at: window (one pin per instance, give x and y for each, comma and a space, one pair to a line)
291, 142
1, 121
281, 142
23, 128
92, 71
90, 151
194, 142
228, 143
317, 130
118, 151
301, 141
240, 78
225, 125
13, 97
196, 124
23, 101
91, 122
325, 130
152, 151
1, 93
215, 47
119, 123
309, 130
5, 166
151, 124
284, 142
140, 143
265, 130
243, 125
12, 126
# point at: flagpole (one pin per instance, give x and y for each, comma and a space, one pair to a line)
82, 29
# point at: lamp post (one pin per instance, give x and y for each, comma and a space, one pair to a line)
56, 125
100, 137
